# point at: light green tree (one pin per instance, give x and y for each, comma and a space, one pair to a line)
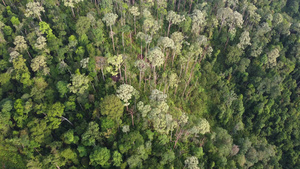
114, 64
198, 21
79, 85
110, 19
191, 163
39, 64
71, 3
156, 57
34, 9
135, 12
20, 44
40, 43
173, 18
244, 40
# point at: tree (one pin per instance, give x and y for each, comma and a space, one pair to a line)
112, 107
272, 56
71, 3
110, 19
142, 65
244, 40
39, 64
156, 57
79, 85
89, 137
117, 159
20, 44
83, 24
201, 127
40, 43
34, 9
191, 162
198, 21
135, 12
173, 18
115, 65
125, 92
100, 156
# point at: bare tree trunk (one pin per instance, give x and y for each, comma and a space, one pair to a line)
165, 65
40, 18
73, 12
3, 2
130, 40
102, 74
170, 23
123, 44
178, 6
112, 37
29, 54
134, 25
140, 79
173, 57
190, 6
154, 76
125, 73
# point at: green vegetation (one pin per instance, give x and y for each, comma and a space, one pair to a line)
154, 84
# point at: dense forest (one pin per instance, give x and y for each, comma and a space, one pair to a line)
153, 84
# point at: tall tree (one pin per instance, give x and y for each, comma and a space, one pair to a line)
110, 19
135, 12
173, 18
72, 3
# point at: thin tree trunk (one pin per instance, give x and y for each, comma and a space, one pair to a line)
112, 37
123, 44
73, 12
167, 56
173, 57
154, 76
130, 40
40, 18
170, 23
140, 79
178, 6
29, 54
125, 73
102, 74
190, 6
134, 25
3, 2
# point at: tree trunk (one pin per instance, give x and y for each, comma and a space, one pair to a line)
125, 73
154, 76
170, 23
3, 2
73, 12
190, 6
131, 114
40, 18
123, 44
130, 40
29, 54
173, 57
102, 74
165, 65
134, 25
178, 5
140, 79
112, 37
